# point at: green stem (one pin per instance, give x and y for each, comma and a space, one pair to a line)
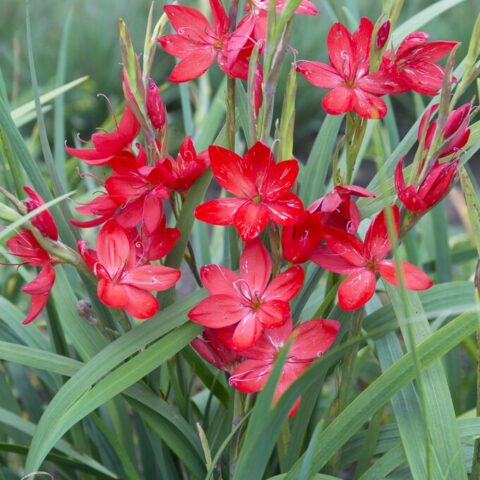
346, 377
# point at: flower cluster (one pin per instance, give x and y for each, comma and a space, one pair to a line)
355, 87
247, 315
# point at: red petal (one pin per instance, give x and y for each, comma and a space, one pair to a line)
220, 211
218, 311
423, 77
219, 17
368, 105
88, 155
152, 213
361, 40
250, 220
320, 74
341, 49
286, 285
42, 283
179, 46
112, 294
152, 277
414, 278
233, 173
258, 164
246, 333
255, 266
218, 280
313, 338
114, 248
339, 100
377, 240
189, 22
285, 210
140, 304
357, 289
280, 178
273, 313
325, 258
193, 66
434, 51
346, 245
251, 375
39, 288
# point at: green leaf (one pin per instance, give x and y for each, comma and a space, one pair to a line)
29, 107
422, 18
312, 182
99, 379
28, 428
442, 427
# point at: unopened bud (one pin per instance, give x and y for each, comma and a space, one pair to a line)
383, 34
155, 107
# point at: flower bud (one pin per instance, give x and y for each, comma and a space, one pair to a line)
155, 107
382, 35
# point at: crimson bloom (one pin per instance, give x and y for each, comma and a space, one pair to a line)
434, 186
180, 174
26, 246
247, 301
310, 341
335, 209
413, 66
353, 89
140, 192
261, 189
197, 43
111, 146
455, 133
362, 260
122, 283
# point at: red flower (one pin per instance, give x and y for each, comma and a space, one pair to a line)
180, 174
435, 185
213, 350
299, 240
413, 67
113, 145
140, 192
44, 220
122, 283
455, 133
261, 188
336, 209
310, 341
348, 73
247, 301
362, 260
197, 43
26, 246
